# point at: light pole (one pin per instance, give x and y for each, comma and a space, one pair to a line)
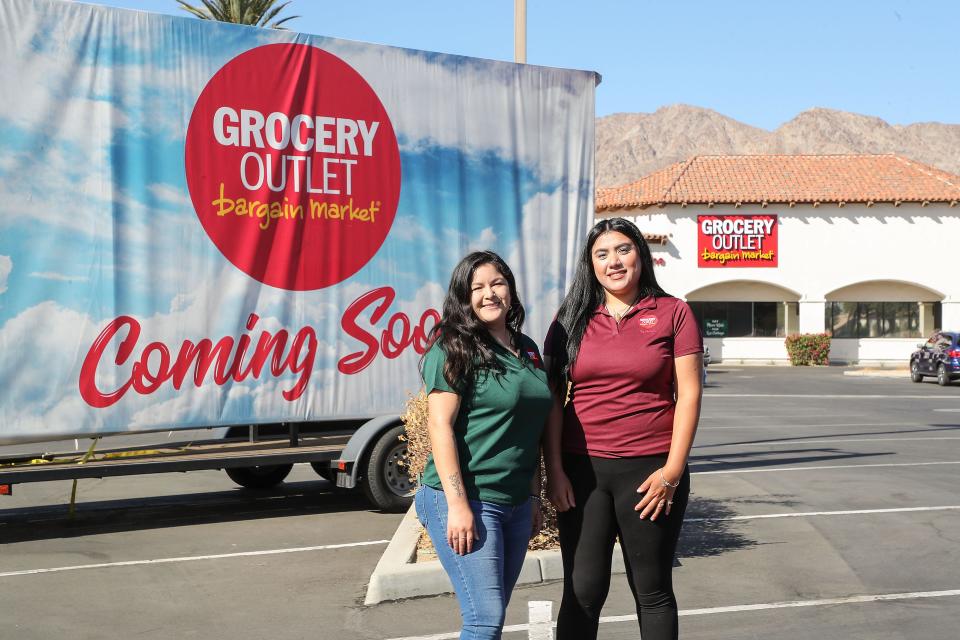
520, 31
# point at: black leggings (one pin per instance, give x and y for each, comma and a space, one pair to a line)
605, 491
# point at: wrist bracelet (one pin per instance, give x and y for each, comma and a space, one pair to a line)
664, 482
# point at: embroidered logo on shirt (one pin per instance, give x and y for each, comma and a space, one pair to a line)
535, 359
648, 322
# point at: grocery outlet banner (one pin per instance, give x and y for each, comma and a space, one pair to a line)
737, 241
206, 224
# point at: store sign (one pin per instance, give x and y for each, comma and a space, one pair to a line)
714, 328
737, 241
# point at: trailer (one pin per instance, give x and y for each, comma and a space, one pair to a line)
241, 237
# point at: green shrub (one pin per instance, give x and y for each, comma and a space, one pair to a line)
808, 348
414, 420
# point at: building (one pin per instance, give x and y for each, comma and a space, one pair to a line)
863, 247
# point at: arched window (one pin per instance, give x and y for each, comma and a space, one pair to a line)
882, 309
744, 308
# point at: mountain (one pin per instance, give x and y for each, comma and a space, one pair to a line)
631, 145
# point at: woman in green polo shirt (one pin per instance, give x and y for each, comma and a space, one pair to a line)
488, 402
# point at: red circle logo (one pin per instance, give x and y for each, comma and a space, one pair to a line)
293, 166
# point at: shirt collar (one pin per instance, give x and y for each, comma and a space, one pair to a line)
643, 304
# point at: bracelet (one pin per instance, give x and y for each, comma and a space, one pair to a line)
535, 497
664, 482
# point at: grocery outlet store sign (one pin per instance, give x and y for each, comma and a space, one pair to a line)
736, 241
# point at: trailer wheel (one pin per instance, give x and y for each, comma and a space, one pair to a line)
263, 477
386, 482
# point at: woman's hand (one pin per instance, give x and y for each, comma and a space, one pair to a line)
460, 528
657, 498
560, 491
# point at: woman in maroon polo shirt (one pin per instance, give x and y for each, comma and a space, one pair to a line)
616, 453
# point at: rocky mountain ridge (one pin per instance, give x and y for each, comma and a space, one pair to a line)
632, 145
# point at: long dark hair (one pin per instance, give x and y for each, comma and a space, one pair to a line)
586, 294
468, 346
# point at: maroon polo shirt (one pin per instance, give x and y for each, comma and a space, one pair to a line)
622, 398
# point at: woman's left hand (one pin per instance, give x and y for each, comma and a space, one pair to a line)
657, 498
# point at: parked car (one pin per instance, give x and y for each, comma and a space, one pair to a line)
939, 356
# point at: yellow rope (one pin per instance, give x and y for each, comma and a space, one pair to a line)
73, 490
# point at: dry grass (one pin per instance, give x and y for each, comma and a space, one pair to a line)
418, 450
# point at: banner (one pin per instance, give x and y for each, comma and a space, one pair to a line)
208, 224
737, 241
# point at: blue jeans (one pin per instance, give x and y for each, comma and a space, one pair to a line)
484, 578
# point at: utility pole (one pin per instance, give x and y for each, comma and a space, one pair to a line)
520, 31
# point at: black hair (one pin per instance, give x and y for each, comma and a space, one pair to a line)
465, 340
586, 294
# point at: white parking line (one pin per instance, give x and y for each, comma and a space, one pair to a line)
242, 554
816, 425
808, 514
741, 415
828, 395
822, 468
880, 597
540, 615
768, 443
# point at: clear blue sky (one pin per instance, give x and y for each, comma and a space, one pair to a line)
759, 62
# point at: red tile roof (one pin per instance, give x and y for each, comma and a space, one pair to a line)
756, 179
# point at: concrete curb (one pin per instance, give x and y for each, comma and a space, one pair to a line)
397, 576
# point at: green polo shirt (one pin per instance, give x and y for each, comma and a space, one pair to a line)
498, 427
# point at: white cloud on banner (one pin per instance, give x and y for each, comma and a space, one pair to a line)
552, 235
58, 277
6, 266
171, 195
52, 189
486, 240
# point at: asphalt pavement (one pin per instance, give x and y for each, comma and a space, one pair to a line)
823, 506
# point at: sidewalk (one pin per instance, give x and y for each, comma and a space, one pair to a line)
398, 575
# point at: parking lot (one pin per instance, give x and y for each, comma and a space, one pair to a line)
823, 506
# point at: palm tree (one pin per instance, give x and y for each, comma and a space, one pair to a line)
259, 13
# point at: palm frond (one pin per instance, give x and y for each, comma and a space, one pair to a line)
262, 13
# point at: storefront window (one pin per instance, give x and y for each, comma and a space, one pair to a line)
874, 319
901, 320
766, 320
740, 319
842, 317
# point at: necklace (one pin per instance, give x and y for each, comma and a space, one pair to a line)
508, 345
618, 315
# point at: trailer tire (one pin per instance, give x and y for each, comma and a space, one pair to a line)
385, 482
262, 477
